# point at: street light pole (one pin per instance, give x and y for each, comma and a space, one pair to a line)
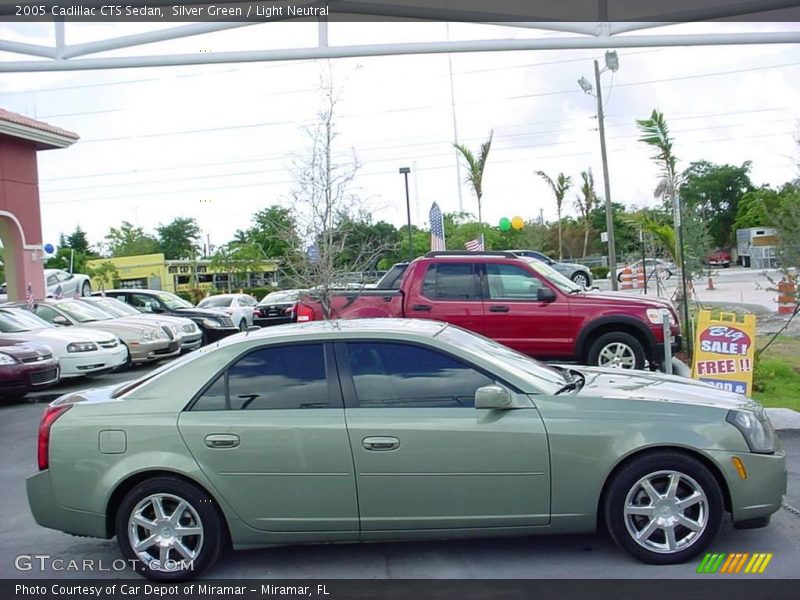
405, 171
612, 250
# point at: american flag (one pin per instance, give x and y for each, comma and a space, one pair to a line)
475, 245
29, 297
437, 228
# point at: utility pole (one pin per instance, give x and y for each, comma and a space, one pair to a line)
405, 171
612, 249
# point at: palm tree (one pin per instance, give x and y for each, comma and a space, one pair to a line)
560, 188
586, 204
475, 170
655, 133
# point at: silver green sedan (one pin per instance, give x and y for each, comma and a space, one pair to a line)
388, 429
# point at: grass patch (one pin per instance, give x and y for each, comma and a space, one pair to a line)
776, 381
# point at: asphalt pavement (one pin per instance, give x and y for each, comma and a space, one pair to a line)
562, 557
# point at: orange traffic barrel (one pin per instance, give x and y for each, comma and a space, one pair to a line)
626, 279
639, 281
787, 297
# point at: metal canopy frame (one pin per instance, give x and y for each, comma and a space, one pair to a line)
579, 35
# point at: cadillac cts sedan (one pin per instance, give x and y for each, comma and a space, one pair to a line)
388, 429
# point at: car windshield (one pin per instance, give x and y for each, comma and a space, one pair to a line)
554, 277
172, 301
280, 297
215, 302
114, 307
13, 321
545, 378
82, 312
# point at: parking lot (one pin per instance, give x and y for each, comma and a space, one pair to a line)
563, 557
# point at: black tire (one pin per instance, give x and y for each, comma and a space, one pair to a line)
657, 468
243, 325
619, 277
86, 289
635, 350
201, 513
582, 279
204, 339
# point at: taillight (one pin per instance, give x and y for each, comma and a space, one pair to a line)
49, 417
303, 312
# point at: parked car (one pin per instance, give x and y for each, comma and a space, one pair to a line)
184, 329
25, 367
277, 308
520, 302
214, 323
719, 258
386, 429
71, 284
240, 307
145, 343
80, 351
655, 268
579, 274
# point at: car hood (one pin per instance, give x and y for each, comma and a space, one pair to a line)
621, 297
570, 266
66, 335
656, 387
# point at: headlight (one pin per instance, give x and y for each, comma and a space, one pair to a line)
147, 335
655, 316
81, 347
189, 327
5, 359
211, 324
756, 429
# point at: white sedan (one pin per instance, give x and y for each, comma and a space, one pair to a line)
238, 306
80, 351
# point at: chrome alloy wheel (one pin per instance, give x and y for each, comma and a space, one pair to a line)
580, 279
617, 355
666, 512
165, 532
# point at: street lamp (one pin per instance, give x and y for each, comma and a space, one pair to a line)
612, 64
405, 171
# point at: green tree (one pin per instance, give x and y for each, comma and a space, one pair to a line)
78, 241
274, 230
476, 167
106, 273
715, 191
238, 260
179, 239
130, 241
560, 187
757, 208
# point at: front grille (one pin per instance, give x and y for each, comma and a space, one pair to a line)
173, 347
108, 344
36, 359
46, 376
168, 331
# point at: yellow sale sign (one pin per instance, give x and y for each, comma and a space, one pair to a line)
724, 351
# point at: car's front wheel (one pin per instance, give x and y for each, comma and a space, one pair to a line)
580, 279
170, 530
664, 508
618, 350
86, 289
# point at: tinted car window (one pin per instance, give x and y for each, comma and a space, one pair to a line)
284, 377
453, 281
46, 313
393, 278
389, 375
509, 282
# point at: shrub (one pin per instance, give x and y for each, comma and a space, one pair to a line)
599, 272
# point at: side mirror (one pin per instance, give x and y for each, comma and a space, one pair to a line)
545, 294
59, 320
492, 396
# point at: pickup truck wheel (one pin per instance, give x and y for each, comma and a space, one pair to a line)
617, 350
664, 508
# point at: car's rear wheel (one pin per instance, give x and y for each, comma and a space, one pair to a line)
86, 289
170, 530
618, 350
664, 508
580, 279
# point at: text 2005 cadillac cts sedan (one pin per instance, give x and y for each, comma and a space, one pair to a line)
397, 429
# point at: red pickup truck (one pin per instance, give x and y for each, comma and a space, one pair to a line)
522, 303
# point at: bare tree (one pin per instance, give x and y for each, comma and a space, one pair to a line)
326, 208
586, 203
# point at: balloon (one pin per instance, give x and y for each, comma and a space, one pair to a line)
505, 224
49, 248
517, 223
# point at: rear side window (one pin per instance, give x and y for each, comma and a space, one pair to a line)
451, 281
275, 378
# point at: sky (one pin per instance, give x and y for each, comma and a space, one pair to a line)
217, 142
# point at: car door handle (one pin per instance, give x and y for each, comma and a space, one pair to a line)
380, 443
425, 307
222, 440
499, 309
